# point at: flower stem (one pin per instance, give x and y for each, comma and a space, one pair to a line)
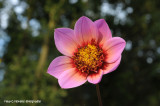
99, 95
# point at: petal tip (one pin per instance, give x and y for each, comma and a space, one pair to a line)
83, 17
95, 78
101, 20
56, 30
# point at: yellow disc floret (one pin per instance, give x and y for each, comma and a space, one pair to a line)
89, 58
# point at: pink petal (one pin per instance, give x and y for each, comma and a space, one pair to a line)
109, 67
113, 48
85, 30
64, 40
71, 78
59, 65
104, 30
95, 77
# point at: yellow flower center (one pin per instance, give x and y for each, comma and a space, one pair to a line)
89, 58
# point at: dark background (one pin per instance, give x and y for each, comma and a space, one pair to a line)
27, 48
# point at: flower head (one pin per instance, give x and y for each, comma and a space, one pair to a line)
90, 52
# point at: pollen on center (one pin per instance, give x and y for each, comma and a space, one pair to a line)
89, 58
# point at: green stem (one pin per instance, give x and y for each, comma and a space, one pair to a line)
99, 95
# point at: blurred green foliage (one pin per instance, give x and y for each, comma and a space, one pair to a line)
136, 82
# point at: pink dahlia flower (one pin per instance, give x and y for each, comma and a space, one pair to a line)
90, 52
